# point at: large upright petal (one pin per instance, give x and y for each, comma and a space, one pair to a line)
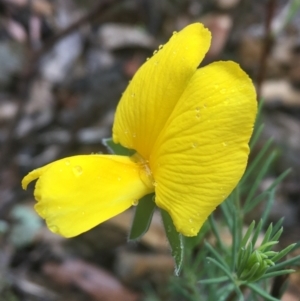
77, 193
202, 152
156, 87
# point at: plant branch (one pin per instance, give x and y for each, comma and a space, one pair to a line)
268, 43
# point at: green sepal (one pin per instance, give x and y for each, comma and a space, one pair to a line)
117, 149
175, 239
142, 217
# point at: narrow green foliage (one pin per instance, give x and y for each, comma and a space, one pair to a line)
278, 273
278, 233
294, 6
287, 263
117, 149
251, 204
256, 136
215, 231
243, 257
268, 206
260, 175
237, 227
261, 292
142, 217
224, 291
249, 274
214, 280
257, 231
267, 245
258, 126
283, 253
226, 212
217, 255
230, 276
248, 234
192, 242
221, 270
253, 264
175, 239
257, 161
267, 234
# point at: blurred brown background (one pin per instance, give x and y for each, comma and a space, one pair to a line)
63, 67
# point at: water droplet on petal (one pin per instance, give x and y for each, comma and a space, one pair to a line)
197, 109
67, 162
134, 135
154, 183
44, 213
147, 59
190, 220
193, 231
195, 144
135, 202
132, 94
155, 51
77, 170
224, 144
174, 32
160, 46
198, 116
53, 228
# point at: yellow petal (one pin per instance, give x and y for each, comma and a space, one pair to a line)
202, 152
77, 193
156, 87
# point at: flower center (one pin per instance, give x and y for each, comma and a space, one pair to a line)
144, 171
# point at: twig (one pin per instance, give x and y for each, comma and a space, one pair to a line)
23, 84
233, 294
101, 7
268, 43
30, 69
278, 283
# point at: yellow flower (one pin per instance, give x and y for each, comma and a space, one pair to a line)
190, 129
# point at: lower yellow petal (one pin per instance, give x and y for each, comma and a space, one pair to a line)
202, 152
77, 193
